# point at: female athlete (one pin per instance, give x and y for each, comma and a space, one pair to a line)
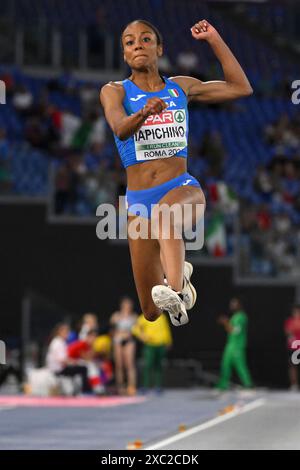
148, 115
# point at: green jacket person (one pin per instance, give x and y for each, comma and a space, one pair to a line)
234, 355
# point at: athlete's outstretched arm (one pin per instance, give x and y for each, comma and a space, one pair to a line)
124, 126
235, 84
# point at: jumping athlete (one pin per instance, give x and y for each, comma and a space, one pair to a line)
148, 115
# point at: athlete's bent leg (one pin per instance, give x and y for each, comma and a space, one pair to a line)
172, 250
147, 270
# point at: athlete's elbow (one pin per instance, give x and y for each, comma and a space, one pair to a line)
247, 90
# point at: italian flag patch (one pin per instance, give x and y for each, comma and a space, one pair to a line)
173, 92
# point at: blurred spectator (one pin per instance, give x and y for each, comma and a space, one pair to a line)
22, 100
234, 356
157, 338
89, 322
284, 134
83, 133
122, 323
81, 353
55, 115
69, 125
263, 217
263, 182
272, 241
57, 358
36, 133
89, 97
83, 182
103, 349
57, 355
276, 173
9, 81
290, 183
292, 331
98, 132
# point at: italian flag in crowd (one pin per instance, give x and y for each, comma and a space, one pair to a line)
220, 193
215, 235
224, 201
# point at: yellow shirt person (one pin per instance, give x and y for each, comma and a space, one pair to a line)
156, 333
156, 337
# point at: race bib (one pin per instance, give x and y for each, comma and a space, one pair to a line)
161, 136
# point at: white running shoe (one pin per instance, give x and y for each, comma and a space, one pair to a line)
188, 292
168, 300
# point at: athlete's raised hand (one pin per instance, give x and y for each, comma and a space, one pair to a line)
203, 31
153, 106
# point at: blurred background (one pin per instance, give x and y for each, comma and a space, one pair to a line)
58, 162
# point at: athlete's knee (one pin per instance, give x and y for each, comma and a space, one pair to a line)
151, 316
167, 224
151, 313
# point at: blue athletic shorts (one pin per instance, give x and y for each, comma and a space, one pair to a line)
139, 202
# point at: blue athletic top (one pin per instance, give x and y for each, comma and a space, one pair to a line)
161, 136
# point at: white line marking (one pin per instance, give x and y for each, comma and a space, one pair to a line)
208, 424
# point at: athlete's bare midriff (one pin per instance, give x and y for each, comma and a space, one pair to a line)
148, 174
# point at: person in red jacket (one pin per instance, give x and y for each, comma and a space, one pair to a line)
81, 352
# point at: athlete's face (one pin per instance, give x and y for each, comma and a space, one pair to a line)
140, 46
